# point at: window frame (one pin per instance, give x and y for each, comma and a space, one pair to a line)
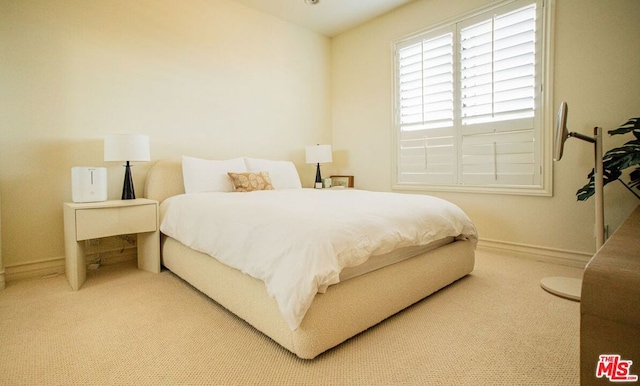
543, 118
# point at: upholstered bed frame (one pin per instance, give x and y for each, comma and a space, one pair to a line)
346, 309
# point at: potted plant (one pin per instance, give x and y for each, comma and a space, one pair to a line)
615, 161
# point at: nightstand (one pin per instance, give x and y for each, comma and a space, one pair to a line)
93, 220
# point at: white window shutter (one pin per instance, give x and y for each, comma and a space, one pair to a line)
497, 71
504, 158
426, 110
426, 83
427, 154
498, 90
468, 97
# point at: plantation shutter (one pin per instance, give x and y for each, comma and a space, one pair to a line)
426, 109
467, 96
498, 96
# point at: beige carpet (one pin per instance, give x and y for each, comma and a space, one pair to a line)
125, 326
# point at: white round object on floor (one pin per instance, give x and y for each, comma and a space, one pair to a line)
566, 287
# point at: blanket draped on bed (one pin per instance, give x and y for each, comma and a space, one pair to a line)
298, 240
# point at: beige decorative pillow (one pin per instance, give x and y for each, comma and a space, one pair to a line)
250, 181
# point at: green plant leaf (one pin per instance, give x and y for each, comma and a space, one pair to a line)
618, 159
635, 179
589, 189
632, 125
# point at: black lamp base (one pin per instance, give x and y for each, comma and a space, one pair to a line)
128, 192
318, 184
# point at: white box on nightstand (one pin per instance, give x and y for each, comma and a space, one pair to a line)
88, 184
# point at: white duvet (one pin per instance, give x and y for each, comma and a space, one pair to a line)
298, 240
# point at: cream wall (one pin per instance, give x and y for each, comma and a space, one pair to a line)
216, 79
2, 279
208, 78
597, 64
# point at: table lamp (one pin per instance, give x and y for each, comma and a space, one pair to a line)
126, 147
316, 155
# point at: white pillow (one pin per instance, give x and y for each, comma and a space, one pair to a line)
202, 175
283, 173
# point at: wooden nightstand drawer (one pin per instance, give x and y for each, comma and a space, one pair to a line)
103, 222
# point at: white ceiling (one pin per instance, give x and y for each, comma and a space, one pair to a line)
327, 17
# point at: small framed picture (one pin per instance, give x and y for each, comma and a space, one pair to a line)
344, 181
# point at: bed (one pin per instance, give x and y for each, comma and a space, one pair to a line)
341, 305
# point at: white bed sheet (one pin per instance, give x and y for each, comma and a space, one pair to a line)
298, 240
397, 255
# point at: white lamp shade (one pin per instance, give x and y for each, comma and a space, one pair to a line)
318, 154
126, 147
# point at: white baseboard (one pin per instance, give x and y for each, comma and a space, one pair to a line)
56, 266
547, 255
34, 270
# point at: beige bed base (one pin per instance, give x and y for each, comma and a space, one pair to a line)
346, 308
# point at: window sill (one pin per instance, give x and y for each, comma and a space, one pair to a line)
512, 191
